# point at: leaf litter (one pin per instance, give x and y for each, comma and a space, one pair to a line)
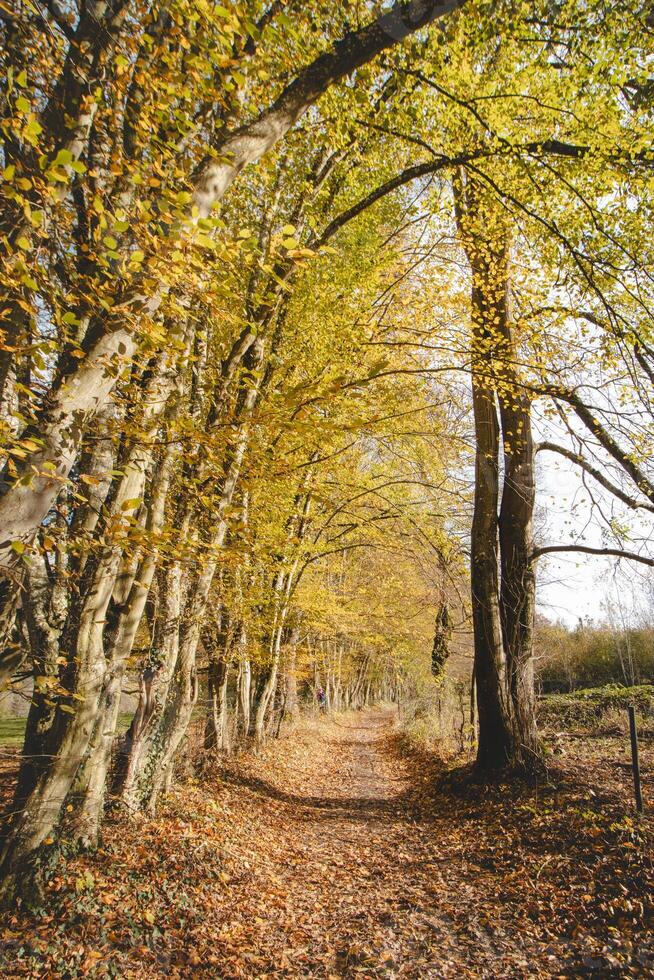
338, 851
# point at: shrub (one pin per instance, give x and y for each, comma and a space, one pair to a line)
589, 707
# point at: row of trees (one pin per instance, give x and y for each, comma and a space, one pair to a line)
592, 655
237, 437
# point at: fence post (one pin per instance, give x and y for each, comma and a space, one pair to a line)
634, 757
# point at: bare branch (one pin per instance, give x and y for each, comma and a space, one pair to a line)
597, 475
583, 549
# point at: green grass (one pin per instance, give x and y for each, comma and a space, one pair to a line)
591, 704
12, 730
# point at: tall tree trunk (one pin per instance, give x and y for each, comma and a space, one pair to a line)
88, 792
152, 748
245, 686
78, 723
142, 743
291, 706
494, 748
503, 585
216, 736
217, 640
518, 581
268, 689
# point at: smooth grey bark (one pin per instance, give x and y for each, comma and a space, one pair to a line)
291, 706
216, 735
161, 729
144, 735
89, 791
24, 505
267, 692
244, 686
44, 783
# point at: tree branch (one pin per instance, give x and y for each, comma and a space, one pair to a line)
597, 475
615, 552
356, 48
605, 439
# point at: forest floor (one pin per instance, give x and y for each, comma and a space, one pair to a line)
339, 852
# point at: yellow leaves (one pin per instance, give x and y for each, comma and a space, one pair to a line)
63, 158
85, 882
22, 104
32, 131
43, 682
35, 218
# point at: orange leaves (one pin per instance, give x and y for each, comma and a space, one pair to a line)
331, 853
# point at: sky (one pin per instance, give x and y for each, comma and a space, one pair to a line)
576, 586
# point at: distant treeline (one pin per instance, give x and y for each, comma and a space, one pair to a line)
592, 655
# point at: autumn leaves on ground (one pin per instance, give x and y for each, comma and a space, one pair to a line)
338, 851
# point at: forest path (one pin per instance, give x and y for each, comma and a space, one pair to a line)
334, 869
336, 852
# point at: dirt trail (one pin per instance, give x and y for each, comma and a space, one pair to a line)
339, 873
334, 853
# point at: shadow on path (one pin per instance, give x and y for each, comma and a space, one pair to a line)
355, 808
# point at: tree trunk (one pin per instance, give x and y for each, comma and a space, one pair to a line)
142, 743
291, 707
268, 690
518, 583
88, 794
495, 730
245, 688
502, 577
78, 723
216, 736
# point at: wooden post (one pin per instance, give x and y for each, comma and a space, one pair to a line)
634, 757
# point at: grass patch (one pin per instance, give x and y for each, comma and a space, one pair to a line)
12, 730
592, 705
